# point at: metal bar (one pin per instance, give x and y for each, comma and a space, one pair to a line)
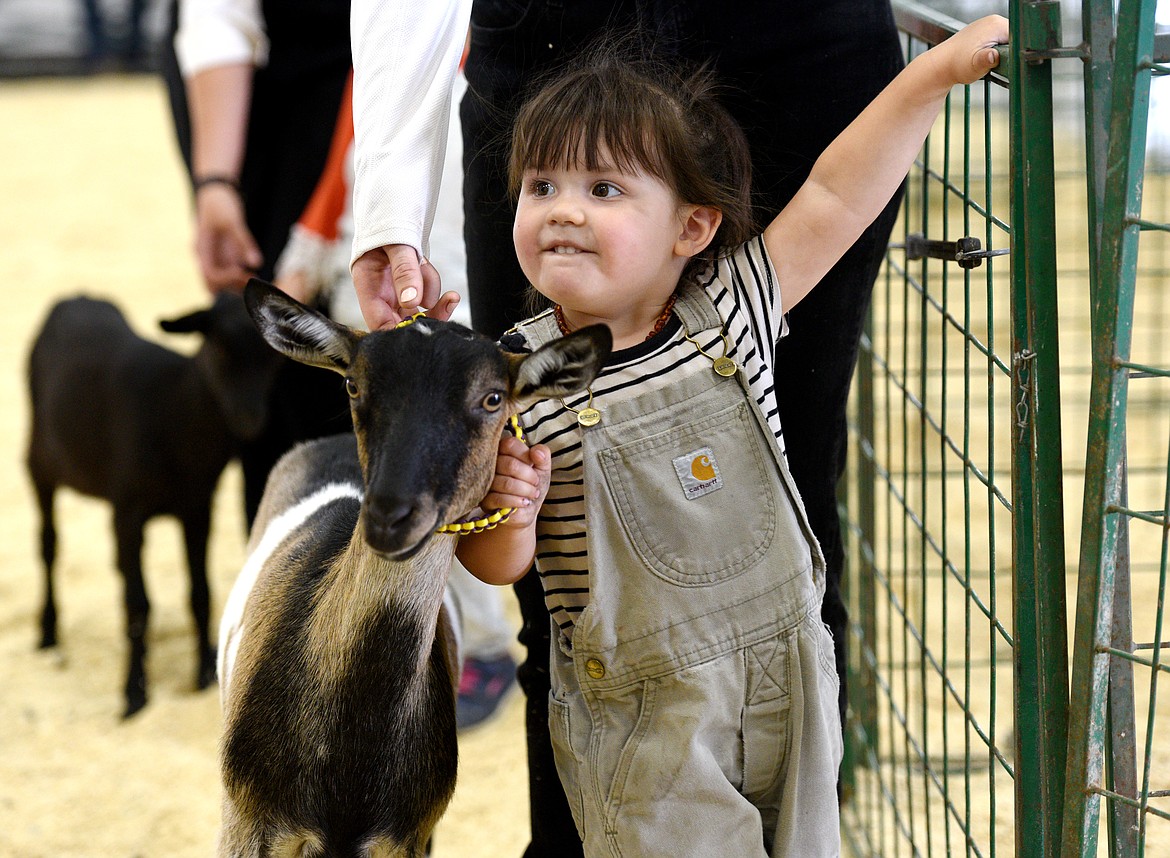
993, 364
1129, 656
1098, 27
1113, 282
1040, 656
942, 503
863, 740
919, 568
1143, 370
1121, 749
923, 23
1149, 224
932, 27
1156, 518
1123, 799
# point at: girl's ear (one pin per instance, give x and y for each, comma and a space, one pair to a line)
699, 224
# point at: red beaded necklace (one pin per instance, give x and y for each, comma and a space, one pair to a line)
659, 323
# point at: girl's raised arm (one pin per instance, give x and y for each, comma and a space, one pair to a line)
861, 169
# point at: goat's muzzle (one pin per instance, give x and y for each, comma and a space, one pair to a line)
396, 529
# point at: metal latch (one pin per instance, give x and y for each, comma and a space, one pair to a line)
966, 251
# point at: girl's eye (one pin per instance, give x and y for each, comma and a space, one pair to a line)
351, 388
540, 188
606, 190
493, 401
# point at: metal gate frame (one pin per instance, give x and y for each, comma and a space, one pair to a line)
1073, 734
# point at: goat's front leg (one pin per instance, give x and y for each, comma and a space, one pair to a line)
128, 525
196, 529
45, 493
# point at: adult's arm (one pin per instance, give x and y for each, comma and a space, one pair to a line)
405, 57
218, 44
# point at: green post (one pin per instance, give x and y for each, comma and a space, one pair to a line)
1098, 26
1114, 279
1040, 656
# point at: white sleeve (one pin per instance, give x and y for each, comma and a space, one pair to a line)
405, 56
219, 32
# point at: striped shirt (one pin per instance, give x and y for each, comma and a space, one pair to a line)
744, 290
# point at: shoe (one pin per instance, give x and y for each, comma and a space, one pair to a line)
481, 689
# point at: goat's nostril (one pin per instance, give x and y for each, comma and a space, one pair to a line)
390, 513
387, 524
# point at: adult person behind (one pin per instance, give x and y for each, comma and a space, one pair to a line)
796, 74
261, 95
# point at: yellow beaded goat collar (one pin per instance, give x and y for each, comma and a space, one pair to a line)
478, 525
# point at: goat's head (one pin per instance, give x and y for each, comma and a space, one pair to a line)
234, 361
429, 401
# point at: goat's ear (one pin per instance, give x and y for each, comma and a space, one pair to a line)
297, 331
203, 321
562, 367
197, 322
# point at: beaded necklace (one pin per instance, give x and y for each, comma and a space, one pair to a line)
659, 323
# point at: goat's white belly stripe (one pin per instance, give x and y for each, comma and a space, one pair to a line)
231, 624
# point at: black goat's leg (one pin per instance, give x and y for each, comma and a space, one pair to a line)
128, 525
196, 529
45, 492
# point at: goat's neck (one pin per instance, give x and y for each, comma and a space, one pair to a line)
194, 394
362, 585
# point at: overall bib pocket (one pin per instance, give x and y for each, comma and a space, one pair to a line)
696, 501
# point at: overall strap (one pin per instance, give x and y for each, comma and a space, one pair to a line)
539, 330
696, 310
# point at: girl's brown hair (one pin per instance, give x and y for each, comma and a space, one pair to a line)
649, 117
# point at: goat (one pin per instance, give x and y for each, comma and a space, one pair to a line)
337, 653
121, 418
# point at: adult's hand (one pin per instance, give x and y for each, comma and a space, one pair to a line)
228, 254
392, 282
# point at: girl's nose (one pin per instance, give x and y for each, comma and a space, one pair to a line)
566, 208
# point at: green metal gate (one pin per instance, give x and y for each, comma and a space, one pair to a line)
990, 404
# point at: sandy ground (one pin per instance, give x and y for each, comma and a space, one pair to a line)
92, 200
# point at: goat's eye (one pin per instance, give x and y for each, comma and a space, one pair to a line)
351, 388
493, 401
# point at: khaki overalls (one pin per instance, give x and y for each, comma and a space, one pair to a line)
695, 711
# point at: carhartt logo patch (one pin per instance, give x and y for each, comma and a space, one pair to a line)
698, 472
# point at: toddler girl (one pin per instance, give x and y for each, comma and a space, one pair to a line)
694, 707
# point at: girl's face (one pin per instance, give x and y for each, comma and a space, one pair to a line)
606, 245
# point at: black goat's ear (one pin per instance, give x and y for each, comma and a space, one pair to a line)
204, 321
562, 367
297, 331
198, 322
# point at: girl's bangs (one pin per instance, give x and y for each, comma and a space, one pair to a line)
587, 129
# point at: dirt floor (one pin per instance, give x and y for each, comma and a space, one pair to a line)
92, 200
